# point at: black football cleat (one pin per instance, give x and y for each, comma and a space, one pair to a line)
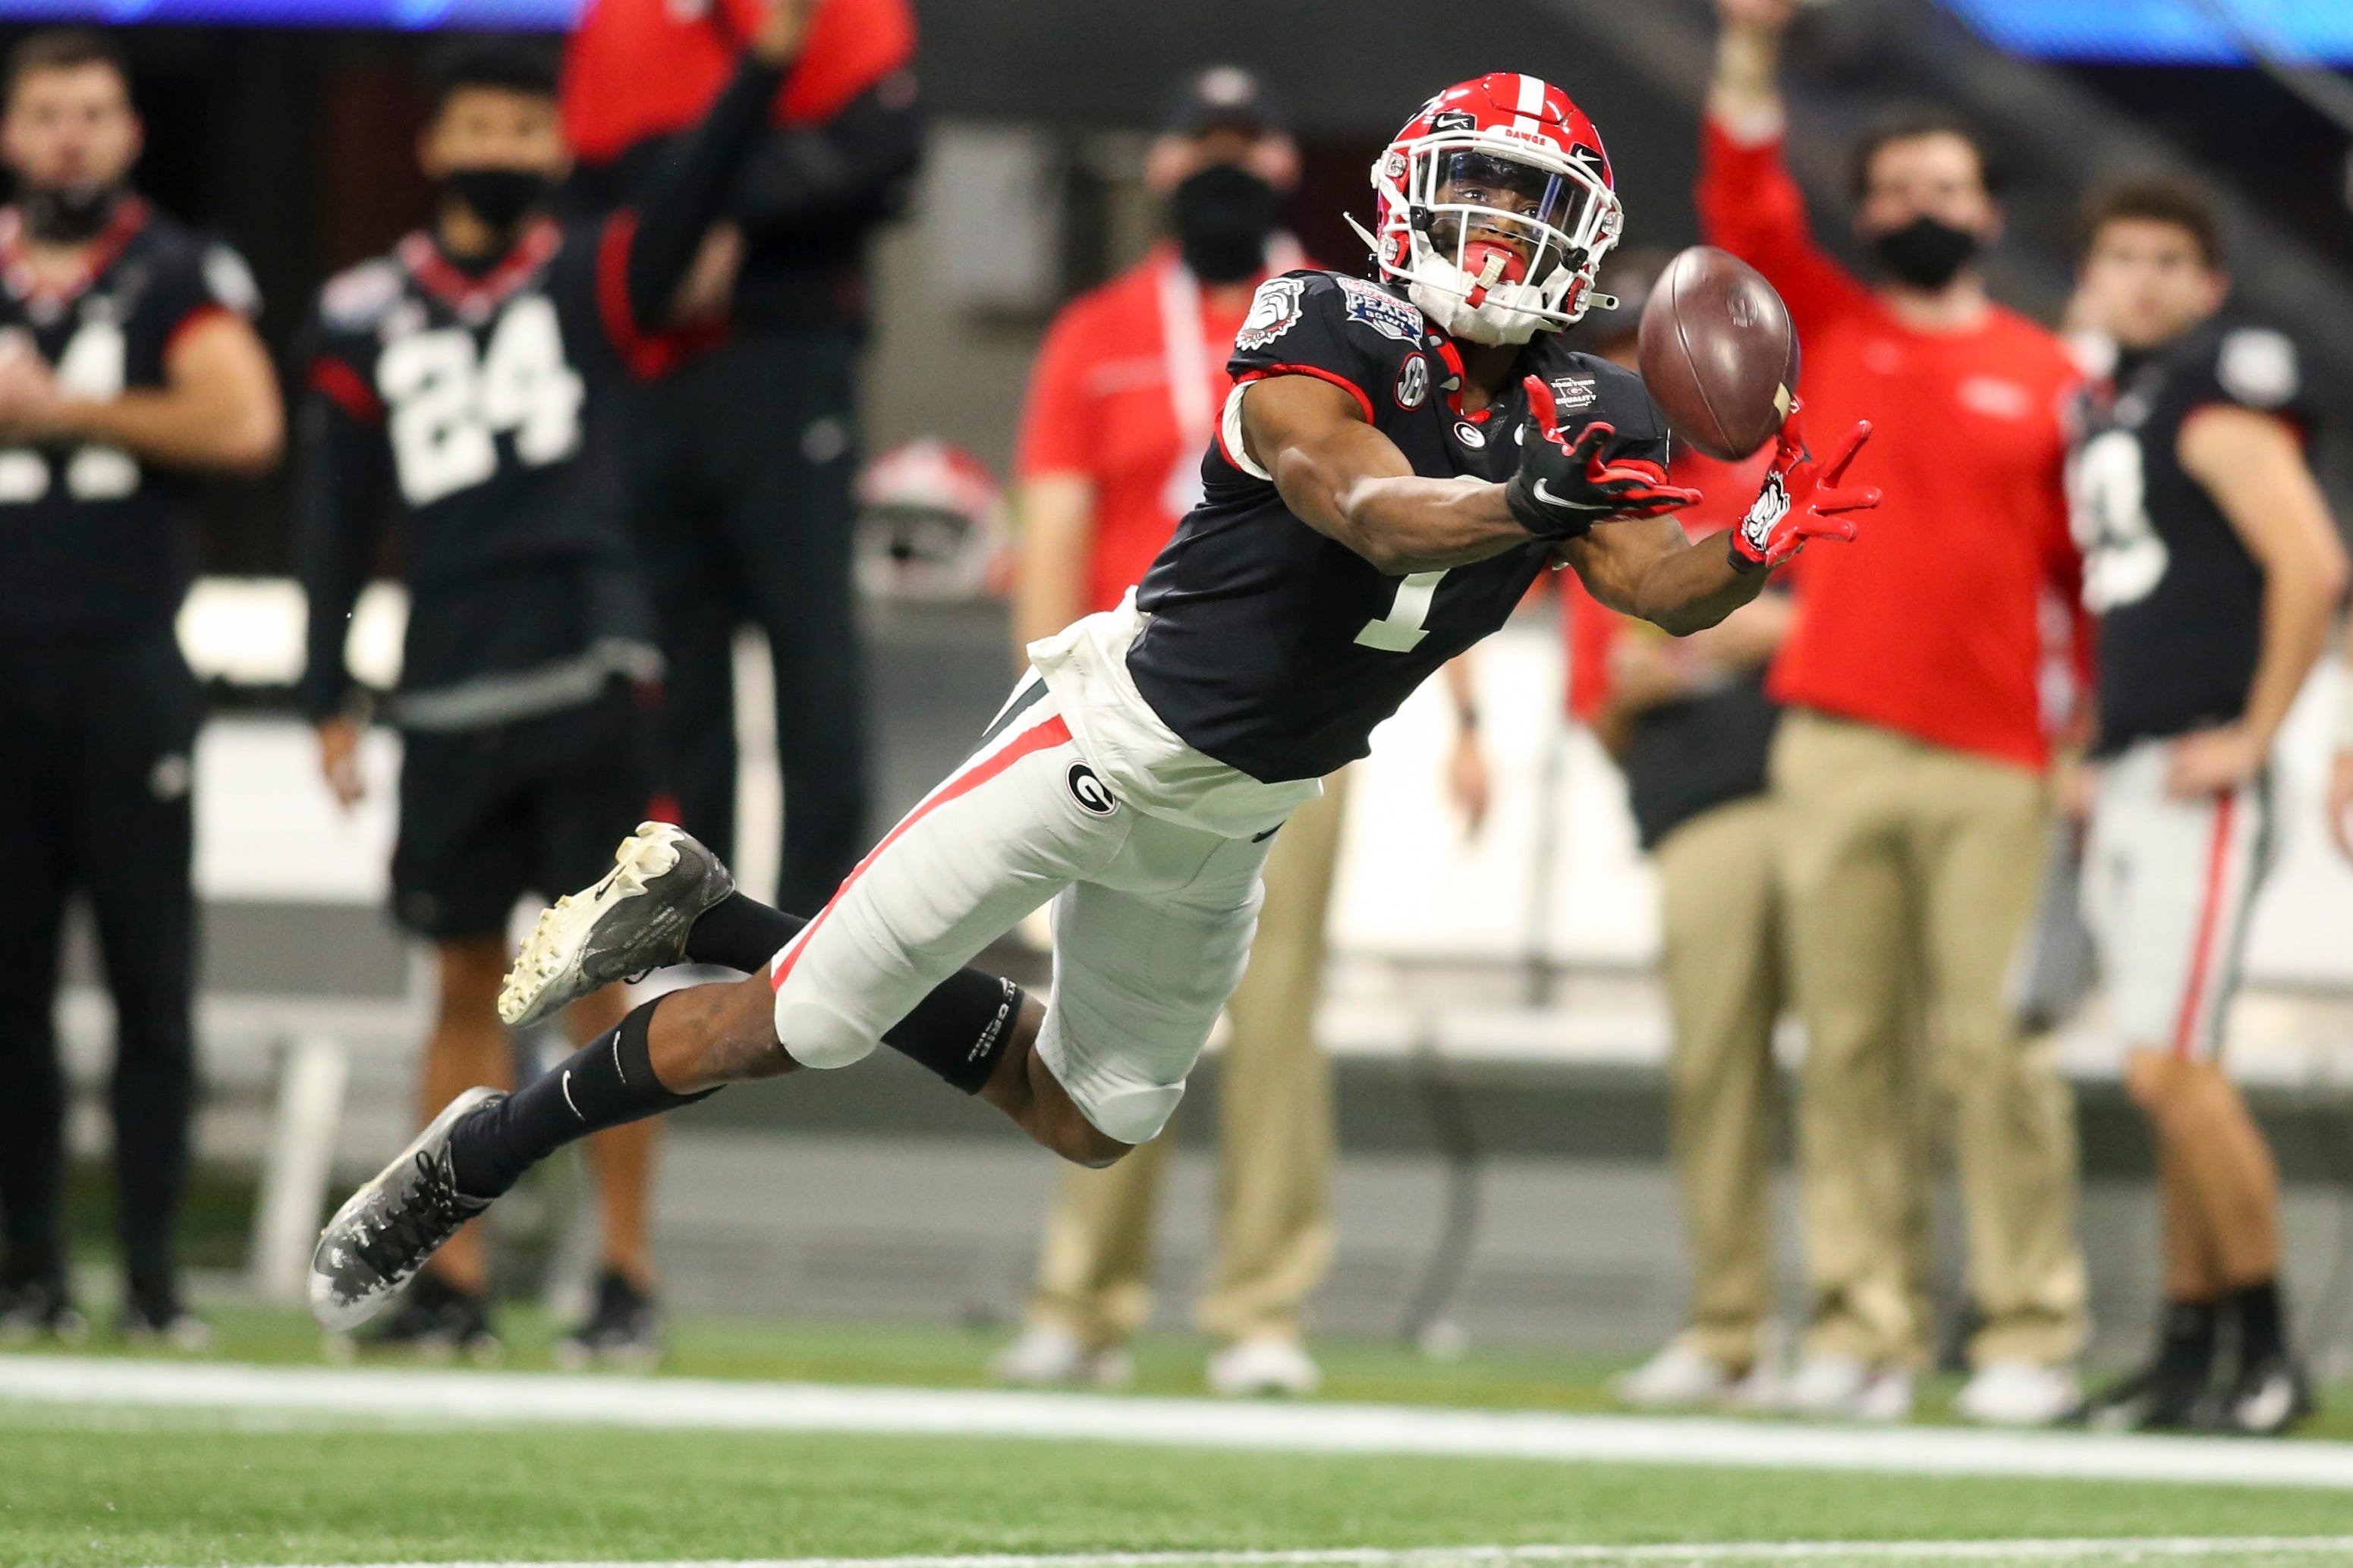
2268, 1400
434, 1321
634, 919
382, 1237
155, 1320
625, 1330
2163, 1396
40, 1308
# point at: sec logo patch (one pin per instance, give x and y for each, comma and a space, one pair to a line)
1413, 383
1089, 791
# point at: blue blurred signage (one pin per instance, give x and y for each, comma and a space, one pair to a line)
2165, 32
550, 15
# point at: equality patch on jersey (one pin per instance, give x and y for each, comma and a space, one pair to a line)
1413, 383
1382, 310
1574, 393
2257, 366
1088, 790
358, 297
1274, 310
231, 280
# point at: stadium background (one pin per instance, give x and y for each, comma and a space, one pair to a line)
1521, 1040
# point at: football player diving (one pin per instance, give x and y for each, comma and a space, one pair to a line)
1397, 462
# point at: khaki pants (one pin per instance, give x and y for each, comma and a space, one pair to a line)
1723, 976
1910, 869
1274, 1146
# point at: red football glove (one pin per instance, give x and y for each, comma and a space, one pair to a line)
1564, 488
1801, 499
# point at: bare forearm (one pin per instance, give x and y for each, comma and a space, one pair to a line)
1676, 585
1745, 95
179, 430
1047, 597
1404, 524
2297, 614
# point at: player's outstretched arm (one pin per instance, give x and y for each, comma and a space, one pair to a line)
1347, 480
1648, 568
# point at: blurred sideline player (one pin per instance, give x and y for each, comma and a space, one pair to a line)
1689, 725
739, 462
1125, 395
2210, 558
473, 372
126, 362
1397, 465
1911, 759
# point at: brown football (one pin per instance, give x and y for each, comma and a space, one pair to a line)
1718, 353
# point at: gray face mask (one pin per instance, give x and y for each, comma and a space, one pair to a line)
1926, 252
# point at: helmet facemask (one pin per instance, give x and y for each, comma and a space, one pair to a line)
1496, 239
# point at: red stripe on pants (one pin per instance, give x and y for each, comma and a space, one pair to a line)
1052, 732
2202, 957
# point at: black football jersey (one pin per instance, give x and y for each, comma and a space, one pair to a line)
484, 387
1276, 649
91, 538
2179, 597
479, 400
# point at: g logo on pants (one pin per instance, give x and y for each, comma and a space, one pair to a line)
1089, 791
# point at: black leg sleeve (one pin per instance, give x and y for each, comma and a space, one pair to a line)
605, 1083
741, 932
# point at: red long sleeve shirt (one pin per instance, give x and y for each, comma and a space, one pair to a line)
1929, 623
638, 68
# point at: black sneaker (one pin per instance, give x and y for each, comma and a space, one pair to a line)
623, 1330
436, 1321
155, 1320
382, 1237
2163, 1396
40, 1308
634, 919
2268, 1400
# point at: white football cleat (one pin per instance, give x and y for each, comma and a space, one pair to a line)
1677, 1378
1847, 1388
634, 919
2018, 1394
1047, 1355
1264, 1365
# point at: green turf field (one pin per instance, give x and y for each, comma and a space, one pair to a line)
83, 1488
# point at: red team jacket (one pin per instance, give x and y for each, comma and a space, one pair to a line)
1929, 624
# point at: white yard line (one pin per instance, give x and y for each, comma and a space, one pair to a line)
678, 1403
2123, 1548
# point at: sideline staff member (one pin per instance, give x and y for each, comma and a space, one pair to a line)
126, 359
1912, 761
741, 461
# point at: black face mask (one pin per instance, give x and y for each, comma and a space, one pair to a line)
499, 197
68, 215
1223, 217
1924, 253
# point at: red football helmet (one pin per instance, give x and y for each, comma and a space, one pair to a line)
1495, 205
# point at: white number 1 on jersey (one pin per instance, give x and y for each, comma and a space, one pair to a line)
1401, 630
